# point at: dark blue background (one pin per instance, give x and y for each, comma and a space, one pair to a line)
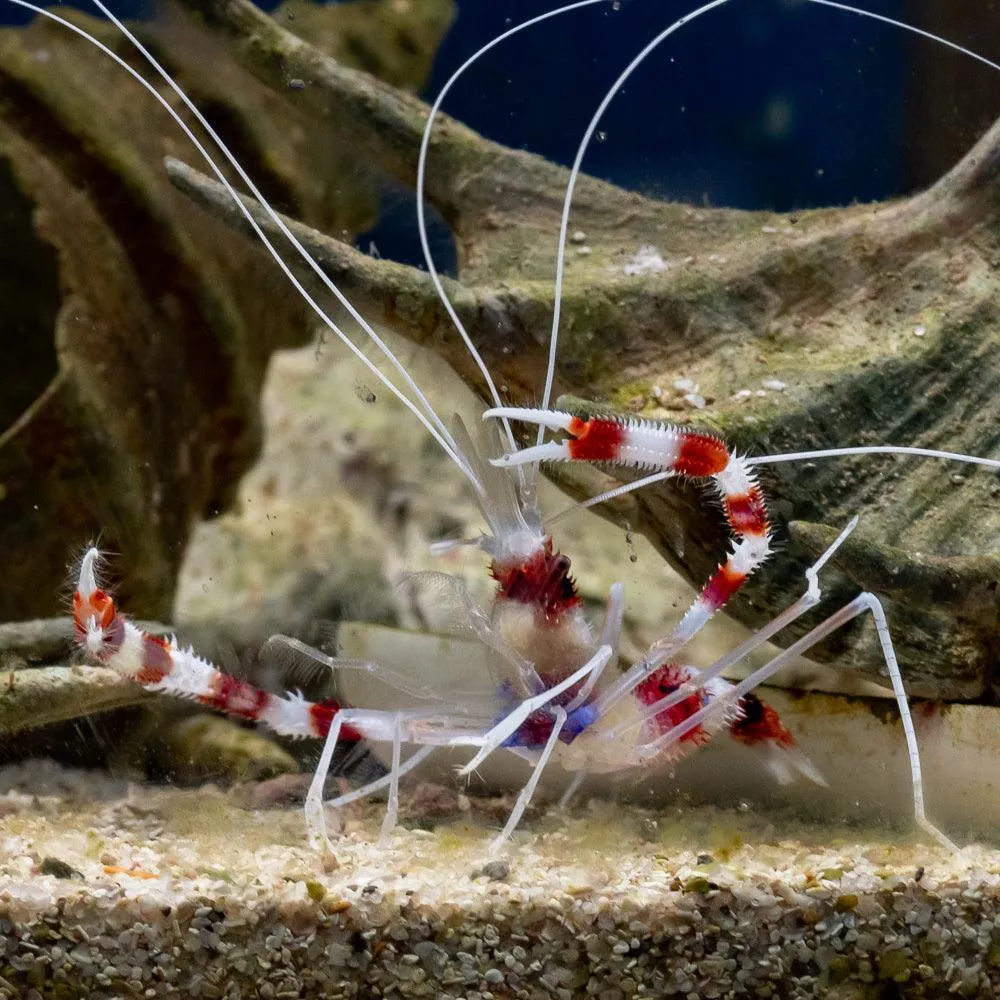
698, 119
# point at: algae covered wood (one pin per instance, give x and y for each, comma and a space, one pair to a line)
870, 324
137, 329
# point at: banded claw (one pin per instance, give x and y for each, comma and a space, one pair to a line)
636, 444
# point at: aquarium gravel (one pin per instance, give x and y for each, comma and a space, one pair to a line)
109, 891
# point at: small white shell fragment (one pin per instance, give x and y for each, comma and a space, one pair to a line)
774, 384
583, 251
646, 260
695, 399
920, 331
684, 385
579, 236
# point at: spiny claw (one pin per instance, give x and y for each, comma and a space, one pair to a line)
553, 419
551, 452
636, 444
95, 617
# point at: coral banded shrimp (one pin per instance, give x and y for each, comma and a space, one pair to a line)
550, 694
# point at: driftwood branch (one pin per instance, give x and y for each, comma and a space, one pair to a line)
395, 293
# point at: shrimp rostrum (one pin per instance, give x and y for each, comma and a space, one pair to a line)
553, 691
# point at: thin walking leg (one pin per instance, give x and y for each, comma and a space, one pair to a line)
805, 603
315, 820
529, 789
513, 721
572, 788
379, 783
392, 809
862, 603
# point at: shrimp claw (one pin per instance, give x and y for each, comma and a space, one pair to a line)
637, 444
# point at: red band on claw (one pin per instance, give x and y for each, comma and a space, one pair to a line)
596, 440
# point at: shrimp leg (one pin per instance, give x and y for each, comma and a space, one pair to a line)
513, 721
864, 602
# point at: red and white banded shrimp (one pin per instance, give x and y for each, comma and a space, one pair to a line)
551, 694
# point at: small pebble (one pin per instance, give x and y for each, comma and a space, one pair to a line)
649, 829
495, 871
60, 869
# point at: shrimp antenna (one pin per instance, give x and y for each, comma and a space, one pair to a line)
434, 425
427, 415
848, 9
591, 128
874, 449
571, 187
421, 174
613, 493
792, 456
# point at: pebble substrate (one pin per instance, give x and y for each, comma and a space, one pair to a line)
185, 894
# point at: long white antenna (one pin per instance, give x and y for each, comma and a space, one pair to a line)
792, 456
571, 187
429, 419
422, 172
907, 27
602, 107
613, 493
873, 449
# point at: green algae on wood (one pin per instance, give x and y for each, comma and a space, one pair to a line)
43, 696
